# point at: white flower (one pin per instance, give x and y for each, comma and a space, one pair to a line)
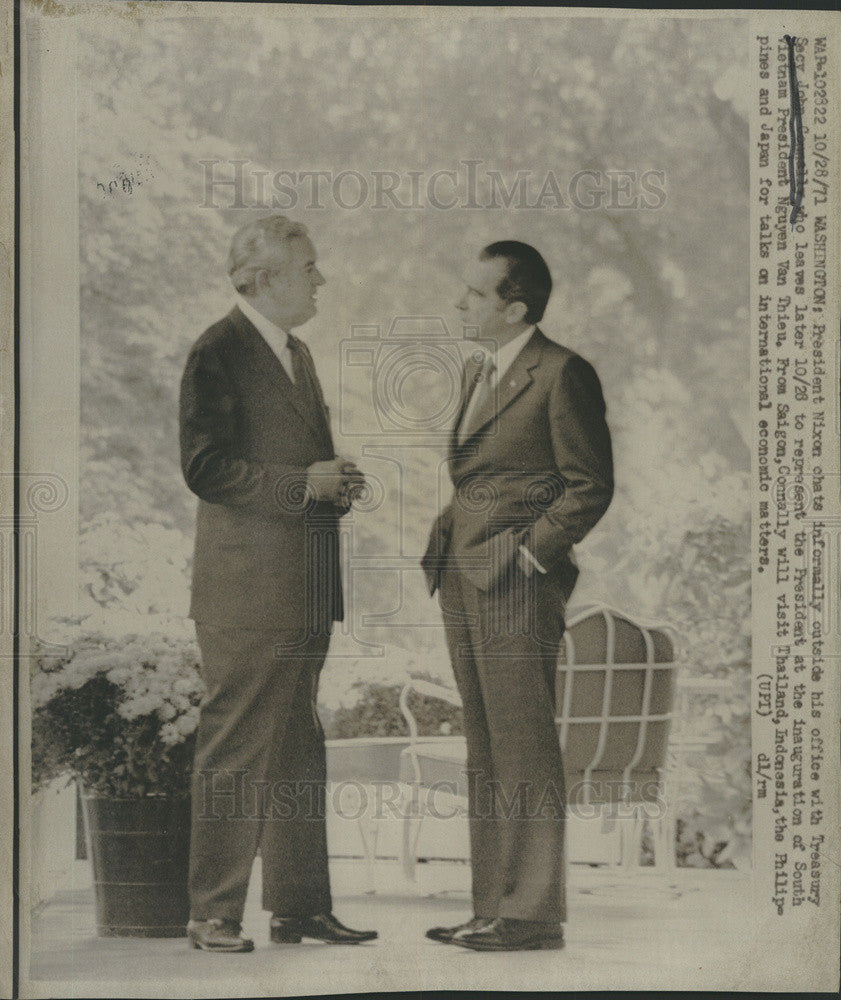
135, 707
44, 687
186, 724
119, 675
169, 734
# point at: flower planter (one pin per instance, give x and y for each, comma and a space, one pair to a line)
140, 851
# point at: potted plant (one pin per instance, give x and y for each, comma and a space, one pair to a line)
116, 708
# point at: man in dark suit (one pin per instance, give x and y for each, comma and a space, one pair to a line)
531, 465
256, 449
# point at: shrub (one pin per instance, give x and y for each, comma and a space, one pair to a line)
377, 713
116, 710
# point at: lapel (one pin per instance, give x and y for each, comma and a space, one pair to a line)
267, 366
515, 382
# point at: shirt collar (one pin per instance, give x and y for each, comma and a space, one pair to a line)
505, 356
270, 331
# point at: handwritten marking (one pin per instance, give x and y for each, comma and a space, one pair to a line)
126, 181
796, 153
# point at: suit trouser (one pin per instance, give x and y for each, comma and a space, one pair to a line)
503, 646
259, 774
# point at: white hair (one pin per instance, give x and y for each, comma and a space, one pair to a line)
258, 245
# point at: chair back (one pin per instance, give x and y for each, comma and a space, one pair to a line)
615, 702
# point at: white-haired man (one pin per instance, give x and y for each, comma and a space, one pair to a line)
256, 449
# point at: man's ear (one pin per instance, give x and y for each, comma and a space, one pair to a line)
515, 312
261, 280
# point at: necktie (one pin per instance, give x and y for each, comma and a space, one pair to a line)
303, 385
299, 365
480, 375
285, 355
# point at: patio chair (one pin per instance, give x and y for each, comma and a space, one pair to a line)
615, 696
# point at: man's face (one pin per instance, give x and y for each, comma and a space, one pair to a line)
480, 306
290, 291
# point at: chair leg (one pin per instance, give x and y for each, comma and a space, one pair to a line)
369, 831
612, 827
632, 828
663, 834
411, 835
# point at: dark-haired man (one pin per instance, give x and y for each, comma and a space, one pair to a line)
531, 465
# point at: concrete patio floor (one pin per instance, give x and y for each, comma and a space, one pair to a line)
683, 930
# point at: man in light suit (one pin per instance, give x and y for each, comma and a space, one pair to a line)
531, 465
256, 449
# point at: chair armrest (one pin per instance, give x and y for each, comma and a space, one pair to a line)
428, 690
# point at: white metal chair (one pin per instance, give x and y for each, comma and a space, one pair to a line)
615, 697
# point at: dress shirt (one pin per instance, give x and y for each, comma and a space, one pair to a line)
276, 338
505, 355
503, 359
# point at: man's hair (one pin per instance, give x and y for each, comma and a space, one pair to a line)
527, 278
258, 245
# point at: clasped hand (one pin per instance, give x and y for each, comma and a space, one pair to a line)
338, 481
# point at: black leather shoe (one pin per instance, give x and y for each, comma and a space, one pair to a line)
445, 935
322, 927
504, 934
218, 935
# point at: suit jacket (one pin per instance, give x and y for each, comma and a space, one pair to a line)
266, 555
536, 469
